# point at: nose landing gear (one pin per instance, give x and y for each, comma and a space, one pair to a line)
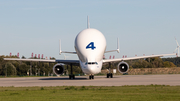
91, 77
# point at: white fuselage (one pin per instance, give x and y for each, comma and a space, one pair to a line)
90, 45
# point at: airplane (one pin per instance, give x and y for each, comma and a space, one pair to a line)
90, 46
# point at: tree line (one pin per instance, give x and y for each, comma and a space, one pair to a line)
175, 60
149, 63
22, 68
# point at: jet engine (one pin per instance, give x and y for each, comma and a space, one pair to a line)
123, 67
58, 69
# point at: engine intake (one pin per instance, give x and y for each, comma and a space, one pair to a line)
58, 69
123, 67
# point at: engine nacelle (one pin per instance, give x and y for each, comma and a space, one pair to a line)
58, 69
123, 67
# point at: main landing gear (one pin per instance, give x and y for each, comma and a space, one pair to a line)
110, 75
71, 76
91, 77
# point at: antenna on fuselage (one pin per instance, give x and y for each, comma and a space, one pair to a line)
88, 25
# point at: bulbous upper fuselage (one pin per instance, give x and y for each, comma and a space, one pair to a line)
90, 45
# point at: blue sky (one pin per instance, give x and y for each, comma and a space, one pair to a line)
142, 26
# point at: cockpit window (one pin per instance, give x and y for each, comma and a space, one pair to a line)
91, 63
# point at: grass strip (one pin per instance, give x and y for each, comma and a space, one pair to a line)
89, 93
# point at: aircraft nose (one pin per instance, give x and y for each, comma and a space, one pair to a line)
92, 69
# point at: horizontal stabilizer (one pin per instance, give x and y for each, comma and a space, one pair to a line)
60, 51
116, 49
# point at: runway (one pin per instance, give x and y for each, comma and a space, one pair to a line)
120, 80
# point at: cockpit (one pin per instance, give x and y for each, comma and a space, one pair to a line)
91, 63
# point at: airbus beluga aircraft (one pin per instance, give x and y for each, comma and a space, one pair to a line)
90, 46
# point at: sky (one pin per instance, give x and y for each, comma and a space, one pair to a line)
142, 26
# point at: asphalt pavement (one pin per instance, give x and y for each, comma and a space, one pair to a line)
119, 80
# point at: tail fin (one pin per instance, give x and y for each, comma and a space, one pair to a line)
60, 47
88, 25
118, 45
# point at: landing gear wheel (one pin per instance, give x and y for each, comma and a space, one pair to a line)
108, 75
69, 76
111, 75
90, 77
72, 76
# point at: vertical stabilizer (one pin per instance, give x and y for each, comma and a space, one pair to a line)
88, 25
118, 45
60, 47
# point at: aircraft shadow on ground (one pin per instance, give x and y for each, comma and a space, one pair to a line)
79, 78
63, 79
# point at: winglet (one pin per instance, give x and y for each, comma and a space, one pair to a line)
88, 25
118, 45
60, 47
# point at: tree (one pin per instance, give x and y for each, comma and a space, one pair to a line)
169, 64
23, 57
175, 60
22, 69
141, 64
10, 69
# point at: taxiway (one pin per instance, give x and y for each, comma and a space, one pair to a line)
119, 80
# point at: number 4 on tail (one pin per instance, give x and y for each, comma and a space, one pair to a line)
91, 45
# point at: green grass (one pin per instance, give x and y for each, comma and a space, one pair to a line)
89, 93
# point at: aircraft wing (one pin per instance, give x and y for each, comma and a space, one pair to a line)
137, 57
44, 60
68, 61
34, 60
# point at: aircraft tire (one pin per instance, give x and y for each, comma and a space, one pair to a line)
69, 76
92, 76
73, 77
108, 75
111, 75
